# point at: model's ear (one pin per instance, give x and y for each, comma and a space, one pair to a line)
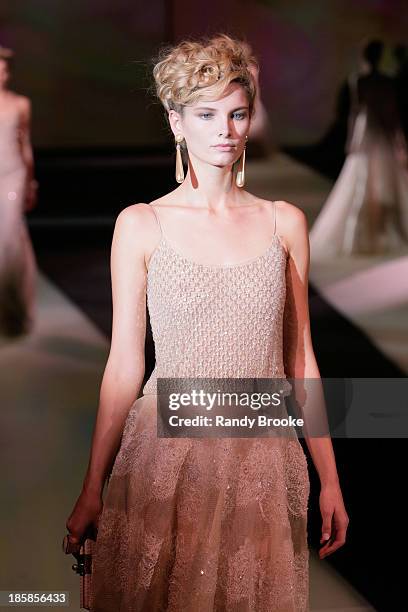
175, 122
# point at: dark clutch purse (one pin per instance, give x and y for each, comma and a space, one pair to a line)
83, 567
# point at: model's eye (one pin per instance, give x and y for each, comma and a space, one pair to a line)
240, 116
205, 115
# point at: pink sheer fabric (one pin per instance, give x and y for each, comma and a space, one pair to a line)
200, 525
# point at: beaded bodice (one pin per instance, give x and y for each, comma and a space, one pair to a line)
222, 321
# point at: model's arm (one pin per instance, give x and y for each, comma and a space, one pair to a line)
25, 136
125, 367
300, 363
26, 149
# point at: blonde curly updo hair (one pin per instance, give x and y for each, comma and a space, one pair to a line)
202, 70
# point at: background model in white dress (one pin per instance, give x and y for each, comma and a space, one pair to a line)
367, 209
17, 260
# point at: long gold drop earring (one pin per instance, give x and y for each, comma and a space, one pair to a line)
240, 178
179, 160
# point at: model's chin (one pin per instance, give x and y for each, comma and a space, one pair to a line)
229, 157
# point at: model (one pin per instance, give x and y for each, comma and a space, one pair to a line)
366, 212
17, 195
213, 523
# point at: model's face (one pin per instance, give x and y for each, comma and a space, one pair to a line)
215, 132
4, 73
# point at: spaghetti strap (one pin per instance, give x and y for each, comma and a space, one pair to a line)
274, 218
156, 214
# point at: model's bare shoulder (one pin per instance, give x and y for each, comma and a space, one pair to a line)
24, 100
23, 103
291, 224
289, 209
136, 225
130, 230
132, 216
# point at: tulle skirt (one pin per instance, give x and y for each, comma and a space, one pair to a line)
367, 210
17, 259
200, 525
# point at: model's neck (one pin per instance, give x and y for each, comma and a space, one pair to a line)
207, 194
211, 186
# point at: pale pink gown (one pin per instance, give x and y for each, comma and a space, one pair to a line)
366, 212
203, 525
17, 260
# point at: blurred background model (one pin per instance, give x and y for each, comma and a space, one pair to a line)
367, 210
17, 194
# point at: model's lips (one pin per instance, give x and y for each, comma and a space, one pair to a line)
224, 147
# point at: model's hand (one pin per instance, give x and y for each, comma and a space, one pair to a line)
334, 517
83, 520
